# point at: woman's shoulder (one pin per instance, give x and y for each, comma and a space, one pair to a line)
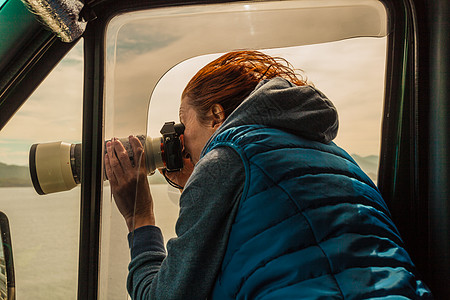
220, 159
218, 165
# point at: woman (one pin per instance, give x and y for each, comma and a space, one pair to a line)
272, 209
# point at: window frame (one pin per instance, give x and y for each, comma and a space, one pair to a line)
92, 140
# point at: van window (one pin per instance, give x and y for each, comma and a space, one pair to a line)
151, 55
44, 228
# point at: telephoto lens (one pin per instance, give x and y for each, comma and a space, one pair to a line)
56, 166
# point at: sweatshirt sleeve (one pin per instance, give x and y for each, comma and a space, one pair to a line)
208, 206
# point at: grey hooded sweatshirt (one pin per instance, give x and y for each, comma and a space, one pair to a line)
209, 202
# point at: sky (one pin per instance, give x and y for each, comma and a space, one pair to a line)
52, 113
350, 73
149, 61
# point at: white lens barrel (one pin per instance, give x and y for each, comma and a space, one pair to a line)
50, 167
153, 154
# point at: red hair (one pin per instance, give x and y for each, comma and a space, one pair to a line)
229, 79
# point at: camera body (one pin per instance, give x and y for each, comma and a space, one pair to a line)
172, 135
56, 166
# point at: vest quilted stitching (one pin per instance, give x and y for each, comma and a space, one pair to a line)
310, 223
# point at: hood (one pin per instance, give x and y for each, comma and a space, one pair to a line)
302, 110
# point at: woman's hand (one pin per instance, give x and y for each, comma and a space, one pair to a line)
129, 184
183, 175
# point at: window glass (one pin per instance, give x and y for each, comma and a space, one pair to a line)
338, 69
44, 229
151, 55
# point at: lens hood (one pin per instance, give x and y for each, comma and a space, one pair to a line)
51, 167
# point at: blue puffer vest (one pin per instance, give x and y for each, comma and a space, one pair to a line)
310, 225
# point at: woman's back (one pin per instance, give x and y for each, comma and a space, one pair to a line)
310, 224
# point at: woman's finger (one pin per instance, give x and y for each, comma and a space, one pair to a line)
122, 155
116, 168
109, 173
138, 151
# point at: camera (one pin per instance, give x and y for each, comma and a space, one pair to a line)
56, 166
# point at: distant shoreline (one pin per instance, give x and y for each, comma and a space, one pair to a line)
14, 176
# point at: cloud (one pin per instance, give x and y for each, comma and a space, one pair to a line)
52, 113
137, 38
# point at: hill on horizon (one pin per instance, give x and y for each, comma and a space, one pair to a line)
369, 164
14, 176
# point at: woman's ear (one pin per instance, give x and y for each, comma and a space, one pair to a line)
218, 115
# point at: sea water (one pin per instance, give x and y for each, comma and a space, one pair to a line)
45, 241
